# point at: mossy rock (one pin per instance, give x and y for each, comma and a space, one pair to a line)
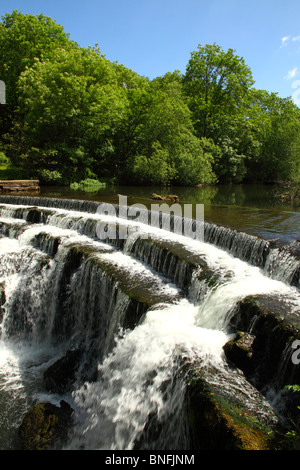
45, 426
135, 287
218, 410
174, 261
36, 215
223, 420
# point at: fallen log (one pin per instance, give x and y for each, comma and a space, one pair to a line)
170, 197
19, 185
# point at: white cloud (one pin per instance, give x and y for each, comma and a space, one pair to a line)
292, 73
284, 40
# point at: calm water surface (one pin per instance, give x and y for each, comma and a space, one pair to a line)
250, 208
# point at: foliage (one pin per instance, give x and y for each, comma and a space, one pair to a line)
69, 105
48, 176
87, 184
72, 114
278, 131
216, 83
23, 40
155, 169
9, 173
4, 161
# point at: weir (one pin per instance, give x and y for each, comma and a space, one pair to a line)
267, 254
145, 313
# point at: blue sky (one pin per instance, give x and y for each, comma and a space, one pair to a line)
153, 37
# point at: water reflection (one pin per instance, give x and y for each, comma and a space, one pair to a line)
254, 209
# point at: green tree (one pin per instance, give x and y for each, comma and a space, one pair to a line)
66, 106
125, 138
72, 114
23, 39
217, 86
276, 128
155, 169
165, 131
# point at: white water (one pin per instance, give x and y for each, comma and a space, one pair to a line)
112, 412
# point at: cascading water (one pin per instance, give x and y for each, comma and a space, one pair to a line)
133, 305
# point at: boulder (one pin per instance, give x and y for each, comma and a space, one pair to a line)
220, 419
239, 351
45, 426
274, 328
218, 410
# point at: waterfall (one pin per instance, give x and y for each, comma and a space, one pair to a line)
117, 406
133, 304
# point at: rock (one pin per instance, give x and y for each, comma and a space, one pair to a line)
274, 327
61, 375
239, 351
294, 249
36, 215
218, 410
2, 301
45, 426
19, 185
219, 420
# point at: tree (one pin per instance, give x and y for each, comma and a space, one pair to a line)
276, 126
165, 134
66, 106
23, 39
154, 169
217, 86
72, 114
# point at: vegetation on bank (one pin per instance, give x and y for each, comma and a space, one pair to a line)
88, 184
73, 115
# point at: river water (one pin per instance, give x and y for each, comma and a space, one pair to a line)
256, 209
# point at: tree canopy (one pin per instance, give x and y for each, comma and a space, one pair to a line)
71, 114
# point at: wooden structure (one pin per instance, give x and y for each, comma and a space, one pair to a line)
19, 185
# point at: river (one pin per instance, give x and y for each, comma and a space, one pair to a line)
254, 208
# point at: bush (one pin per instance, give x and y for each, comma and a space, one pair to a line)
88, 184
4, 160
52, 177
